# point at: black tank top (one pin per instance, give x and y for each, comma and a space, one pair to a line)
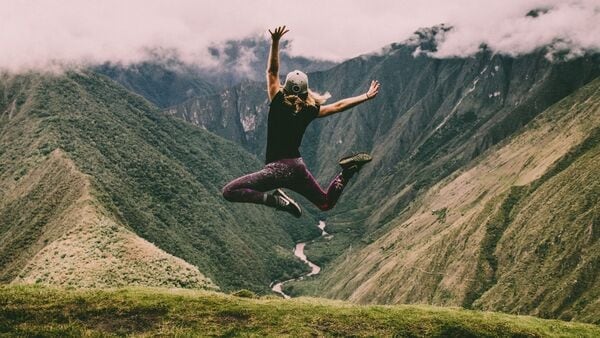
286, 128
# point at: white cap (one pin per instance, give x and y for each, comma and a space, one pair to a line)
296, 83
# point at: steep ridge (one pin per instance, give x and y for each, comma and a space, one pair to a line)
157, 177
238, 114
63, 237
516, 231
164, 83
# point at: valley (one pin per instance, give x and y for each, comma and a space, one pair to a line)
483, 192
277, 287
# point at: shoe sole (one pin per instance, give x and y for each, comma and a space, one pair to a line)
291, 200
357, 158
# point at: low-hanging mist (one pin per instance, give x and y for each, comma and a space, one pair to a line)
55, 34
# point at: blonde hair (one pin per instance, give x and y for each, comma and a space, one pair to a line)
312, 99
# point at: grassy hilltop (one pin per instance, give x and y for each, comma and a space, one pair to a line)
27, 311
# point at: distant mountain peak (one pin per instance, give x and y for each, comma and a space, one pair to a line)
428, 35
426, 40
536, 12
423, 41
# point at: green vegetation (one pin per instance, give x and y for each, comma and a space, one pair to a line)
157, 176
34, 311
163, 84
487, 264
515, 231
440, 214
558, 215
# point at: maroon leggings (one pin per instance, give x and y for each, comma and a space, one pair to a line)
287, 173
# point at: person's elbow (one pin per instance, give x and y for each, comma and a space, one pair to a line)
328, 110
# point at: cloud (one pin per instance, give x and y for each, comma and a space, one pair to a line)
42, 34
570, 26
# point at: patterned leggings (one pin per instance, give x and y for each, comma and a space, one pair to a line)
287, 173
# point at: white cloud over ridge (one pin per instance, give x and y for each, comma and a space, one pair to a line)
572, 26
42, 34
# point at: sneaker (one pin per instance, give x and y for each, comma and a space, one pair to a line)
286, 203
354, 162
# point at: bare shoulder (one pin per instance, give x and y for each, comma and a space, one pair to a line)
273, 86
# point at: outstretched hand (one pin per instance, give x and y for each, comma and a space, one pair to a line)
278, 33
373, 90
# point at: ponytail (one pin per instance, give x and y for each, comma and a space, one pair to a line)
311, 99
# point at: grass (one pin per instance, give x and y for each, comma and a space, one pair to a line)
38, 311
487, 264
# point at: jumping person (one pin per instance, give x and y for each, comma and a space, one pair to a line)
293, 106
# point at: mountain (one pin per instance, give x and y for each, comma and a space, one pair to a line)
97, 187
514, 231
246, 59
483, 190
238, 114
54, 231
432, 119
432, 116
162, 82
166, 80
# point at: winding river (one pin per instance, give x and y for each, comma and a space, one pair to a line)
299, 252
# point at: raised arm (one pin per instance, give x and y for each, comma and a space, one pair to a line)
273, 84
350, 102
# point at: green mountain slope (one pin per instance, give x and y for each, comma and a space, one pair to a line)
157, 177
54, 232
432, 117
515, 231
559, 216
142, 312
163, 83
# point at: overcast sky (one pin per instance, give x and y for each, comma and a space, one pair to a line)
36, 34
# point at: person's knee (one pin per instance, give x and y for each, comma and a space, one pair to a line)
228, 193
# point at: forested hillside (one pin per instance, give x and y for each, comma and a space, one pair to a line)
134, 172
